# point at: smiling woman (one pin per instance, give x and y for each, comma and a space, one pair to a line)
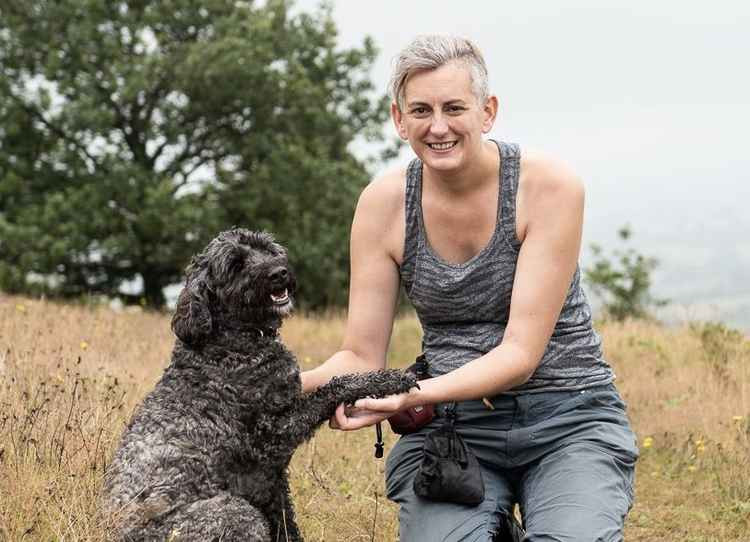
442, 118
446, 108
485, 240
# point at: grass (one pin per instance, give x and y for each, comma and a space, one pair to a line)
70, 377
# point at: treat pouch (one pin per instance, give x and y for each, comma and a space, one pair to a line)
449, 471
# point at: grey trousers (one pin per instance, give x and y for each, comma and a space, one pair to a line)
567, 458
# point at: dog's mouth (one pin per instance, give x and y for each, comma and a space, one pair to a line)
280, 298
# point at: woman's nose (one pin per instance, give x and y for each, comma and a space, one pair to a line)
438, 126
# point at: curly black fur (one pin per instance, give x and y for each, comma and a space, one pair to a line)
205, 456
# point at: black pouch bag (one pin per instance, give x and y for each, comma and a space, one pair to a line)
449, 472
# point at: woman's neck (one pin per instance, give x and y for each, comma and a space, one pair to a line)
481, 169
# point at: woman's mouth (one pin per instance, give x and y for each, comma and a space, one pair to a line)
440, 147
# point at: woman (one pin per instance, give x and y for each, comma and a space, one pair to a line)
485, 240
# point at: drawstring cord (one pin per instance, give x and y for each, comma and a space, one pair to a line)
378, 441
421, 371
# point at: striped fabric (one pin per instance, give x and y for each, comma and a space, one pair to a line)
463, 308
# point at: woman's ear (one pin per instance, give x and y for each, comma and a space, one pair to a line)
490, 113
398, 121
192, 320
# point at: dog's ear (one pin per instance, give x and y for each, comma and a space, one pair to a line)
192, 320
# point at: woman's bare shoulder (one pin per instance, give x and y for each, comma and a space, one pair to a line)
379, 219
547, 186
383, 197
386, 189
540, 172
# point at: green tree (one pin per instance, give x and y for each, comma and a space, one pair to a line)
131, 131
623, 281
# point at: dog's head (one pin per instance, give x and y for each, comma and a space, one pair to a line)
241, 279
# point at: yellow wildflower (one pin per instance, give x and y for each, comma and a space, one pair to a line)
21, 308
84, 345
648, 442
692, 468
738, 418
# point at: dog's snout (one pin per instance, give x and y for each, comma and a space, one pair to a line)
279, 273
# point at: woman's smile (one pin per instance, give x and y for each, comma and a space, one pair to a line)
442, 147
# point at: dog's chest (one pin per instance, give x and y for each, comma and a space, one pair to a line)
261, 379
258, 485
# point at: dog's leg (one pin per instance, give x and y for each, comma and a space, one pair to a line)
224, 517
280, 514
313, 409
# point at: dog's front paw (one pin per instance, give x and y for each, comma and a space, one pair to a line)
373, 384
391, 381
405, 381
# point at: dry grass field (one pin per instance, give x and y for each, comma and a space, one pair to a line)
71, 375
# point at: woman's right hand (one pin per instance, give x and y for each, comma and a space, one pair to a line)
350, 418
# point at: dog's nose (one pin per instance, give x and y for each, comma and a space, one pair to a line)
279, 272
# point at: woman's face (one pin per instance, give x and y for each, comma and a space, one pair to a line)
442, 119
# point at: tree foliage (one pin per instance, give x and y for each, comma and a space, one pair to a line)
623, 281
131, 131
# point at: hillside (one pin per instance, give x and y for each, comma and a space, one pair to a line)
71, 376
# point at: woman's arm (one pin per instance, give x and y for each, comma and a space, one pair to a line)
374, 283
550, 210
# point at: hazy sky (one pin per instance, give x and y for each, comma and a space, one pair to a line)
649, 101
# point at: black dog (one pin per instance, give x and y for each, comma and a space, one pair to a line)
205, 456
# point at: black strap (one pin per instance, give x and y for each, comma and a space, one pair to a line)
378, 441
450, 413
421, 366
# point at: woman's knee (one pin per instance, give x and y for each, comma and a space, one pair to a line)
579, 493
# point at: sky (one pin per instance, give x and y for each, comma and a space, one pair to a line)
648, 101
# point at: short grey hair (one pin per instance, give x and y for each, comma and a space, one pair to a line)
429, 52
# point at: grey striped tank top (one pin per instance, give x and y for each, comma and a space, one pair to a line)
464, 308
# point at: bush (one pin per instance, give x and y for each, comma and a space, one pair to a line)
622, 281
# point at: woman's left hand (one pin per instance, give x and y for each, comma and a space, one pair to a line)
389, 404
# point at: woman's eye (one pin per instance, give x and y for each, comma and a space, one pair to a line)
419, 111
455, 109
